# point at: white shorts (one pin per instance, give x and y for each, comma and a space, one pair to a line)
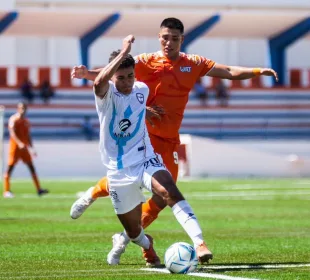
126, 185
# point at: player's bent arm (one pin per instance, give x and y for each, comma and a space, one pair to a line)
239, 73
91, 75
101, 83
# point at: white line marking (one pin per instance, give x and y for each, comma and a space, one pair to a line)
256, 266
201, 274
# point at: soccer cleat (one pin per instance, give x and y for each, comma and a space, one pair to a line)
118, 249
42, 192
79, 207
8, 194
203, 253
150, 255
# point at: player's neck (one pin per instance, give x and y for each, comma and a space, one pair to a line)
20, 116
173, 57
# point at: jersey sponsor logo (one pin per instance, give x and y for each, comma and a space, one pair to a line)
124, 124
186, 69
140, 97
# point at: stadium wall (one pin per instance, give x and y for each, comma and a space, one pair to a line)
34, 51
205, 158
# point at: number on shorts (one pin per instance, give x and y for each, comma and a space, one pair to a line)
176, 157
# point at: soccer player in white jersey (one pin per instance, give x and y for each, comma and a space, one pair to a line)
131, 162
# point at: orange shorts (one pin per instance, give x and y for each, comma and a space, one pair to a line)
169, 154
17, 154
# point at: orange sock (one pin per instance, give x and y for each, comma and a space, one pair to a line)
150, 212
101, 188
36, 181
6, 183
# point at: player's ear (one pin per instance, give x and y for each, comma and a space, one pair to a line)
182, 39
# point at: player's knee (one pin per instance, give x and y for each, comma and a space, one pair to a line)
171, 194
133, 232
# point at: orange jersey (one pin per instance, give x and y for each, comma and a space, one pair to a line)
21, 127
170, 83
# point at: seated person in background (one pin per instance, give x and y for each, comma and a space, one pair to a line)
221, 94
201, 92
46, 91
27, 90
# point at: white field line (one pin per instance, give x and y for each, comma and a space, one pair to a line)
225, 277
260, 187
201, 274
256, 266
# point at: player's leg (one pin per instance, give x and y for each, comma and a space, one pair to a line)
6, 184
99, 190
163, 185
13, 158
26, 157
168, 151
127, 198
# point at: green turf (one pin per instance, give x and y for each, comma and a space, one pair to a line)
247, 222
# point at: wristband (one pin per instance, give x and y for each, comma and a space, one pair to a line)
256, 71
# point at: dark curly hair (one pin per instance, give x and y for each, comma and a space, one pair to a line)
127, 62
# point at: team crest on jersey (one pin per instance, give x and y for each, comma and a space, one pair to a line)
186, 69
124, 124
140, 97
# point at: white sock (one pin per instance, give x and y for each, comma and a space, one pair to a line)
124, 239
142, 240
186, 217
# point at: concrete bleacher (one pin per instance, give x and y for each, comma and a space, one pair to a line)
252, 113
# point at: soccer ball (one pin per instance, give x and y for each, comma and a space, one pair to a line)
181, 258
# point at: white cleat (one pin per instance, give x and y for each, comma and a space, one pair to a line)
79, 207
8, 195
118, 249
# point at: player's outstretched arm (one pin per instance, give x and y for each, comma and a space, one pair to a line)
101, 83
239, 73
81, 72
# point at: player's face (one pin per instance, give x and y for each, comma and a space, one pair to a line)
124, 80
170, 42
21, 109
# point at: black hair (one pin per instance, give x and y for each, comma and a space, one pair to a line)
127, 62
24, 104
173, 23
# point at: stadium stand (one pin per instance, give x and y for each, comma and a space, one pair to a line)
257, 113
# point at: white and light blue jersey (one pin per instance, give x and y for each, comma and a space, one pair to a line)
124, 140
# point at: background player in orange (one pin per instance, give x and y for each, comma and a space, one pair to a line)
19, 148
170, 75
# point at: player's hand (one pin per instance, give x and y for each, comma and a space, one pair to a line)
155, 111
127, 44
79, 72
33, 152
269, 72
21, 146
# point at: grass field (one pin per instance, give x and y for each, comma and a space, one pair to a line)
257, 229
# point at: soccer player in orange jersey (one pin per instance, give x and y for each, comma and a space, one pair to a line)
170, 75
19, 148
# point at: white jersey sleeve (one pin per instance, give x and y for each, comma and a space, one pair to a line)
103, 103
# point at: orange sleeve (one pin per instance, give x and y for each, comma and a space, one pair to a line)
141, 64
204, 64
